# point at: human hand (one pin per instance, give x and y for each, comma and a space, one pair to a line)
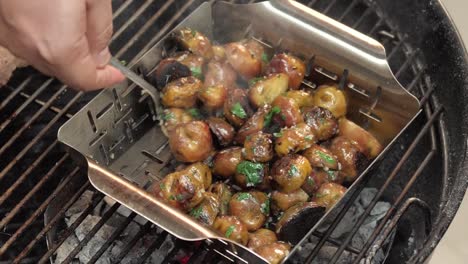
67, 39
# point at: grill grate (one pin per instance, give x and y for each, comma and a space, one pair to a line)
34, 107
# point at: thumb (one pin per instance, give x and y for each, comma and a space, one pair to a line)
99, 29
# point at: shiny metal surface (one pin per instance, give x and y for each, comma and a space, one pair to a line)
118, 131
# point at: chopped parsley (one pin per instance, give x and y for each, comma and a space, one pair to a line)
325, 156
265, 57
172, 198
195, 113
265, 207
269, 116
293, 170
124, 62
243, 196
332, 175
283, 116
162, 186
238, 110
193, 32
168, 116
309, 138
179, 197
229, 231
196, 212
252, 171
197, 72
253, 81
279, 134
310, 181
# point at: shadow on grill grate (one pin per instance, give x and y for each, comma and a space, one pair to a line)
36, 173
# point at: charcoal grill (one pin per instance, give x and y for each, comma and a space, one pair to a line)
423, 175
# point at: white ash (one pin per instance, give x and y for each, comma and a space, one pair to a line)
343, 229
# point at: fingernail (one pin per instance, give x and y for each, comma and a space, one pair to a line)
103, 58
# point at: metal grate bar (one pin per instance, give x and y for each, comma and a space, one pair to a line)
143, 230
15, 92
363, 16
154, 245
121, 8
52, 222
129, 21
348, 9
42, 103
329, 6
406, 64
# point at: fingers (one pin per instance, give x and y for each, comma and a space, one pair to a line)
99, 29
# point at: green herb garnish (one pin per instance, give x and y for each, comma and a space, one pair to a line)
124, 62
193, 32
293, 170
279, 134
309, 138
162, 186
283, 116
196, 212
179, 197
310, 181
195, 113
238, 110
253, 81
325, 156
229, 231
197, 72
265, 207
243, 196
168, 116
265, 57
332, 175
252, 171
172, 198
269, 116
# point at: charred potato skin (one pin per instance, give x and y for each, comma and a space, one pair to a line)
258, 147
232, 228
331, 98
195, 42
294, 67
283, 201
224, 194
323, 123
168, 70
247, 207
207, 210
351, 160
253, 125
191, 142
275, 252
320, 157
329, 194
222, 130
290, 114
172, 117
243, 60
226, 161
265, 91
181, 93
294, 139
235, 98
290, 172
261, 237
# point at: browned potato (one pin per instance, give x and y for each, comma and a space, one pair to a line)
331, 98
172, 117
274, 253
302, 98
231, 227
224, 194
251, 208
290, 114
201, 172
181, 190
244, 61
294, 67
207, 210
222, 130
321, 157
323, 123
253, 125
220, 74
251, 174
168, 70
329, 194
290, 172
366, 142
315, 180
191, 142
265, 91
283, 201
181, 93
294, 139
195, 42
261, 237
349, 157
219, 53
225, 162
258, 147
213, 97
237, 109
194, 62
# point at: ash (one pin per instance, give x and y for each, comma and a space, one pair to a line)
344, 228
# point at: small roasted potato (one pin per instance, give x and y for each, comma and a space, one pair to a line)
181, 93
207, 210
294, 139
294, 67
302, 98
224, 194
283, 201
169, 70
290, 114
237, 109
275, 252
194, 62
315, 180
219, 53
323, 123
213, 97
290, 172
232, 228
258, 147
266, 90
331, 98
181, 190
351, 160
223, 131
320, 157
254, 124
261, 237
201, 172
195, 42
225, 162
191, 142
366, 142
251, 174
172, 117
251, 208
243, 60
329, 194
220, 74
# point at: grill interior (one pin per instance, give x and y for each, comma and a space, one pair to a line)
34, 170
